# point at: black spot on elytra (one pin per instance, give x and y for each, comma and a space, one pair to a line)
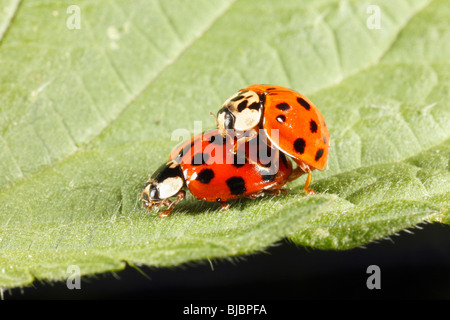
236, 185
283, 106
303, 103
269, 89
254, 106
281, 118
218, 139
199, 159
299, 145
241, 106
319, 154
184, 151
205, 176
313, 126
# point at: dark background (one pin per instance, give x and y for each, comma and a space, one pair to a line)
413, 266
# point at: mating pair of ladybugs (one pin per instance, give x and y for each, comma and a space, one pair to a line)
258, 128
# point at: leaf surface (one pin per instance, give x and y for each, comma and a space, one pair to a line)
87, 114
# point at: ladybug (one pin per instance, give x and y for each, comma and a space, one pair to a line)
301, 131
211, 173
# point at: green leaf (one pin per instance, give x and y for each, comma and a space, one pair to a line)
380, 200
87, 114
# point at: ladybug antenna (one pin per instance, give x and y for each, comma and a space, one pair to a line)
222, 131
215, 117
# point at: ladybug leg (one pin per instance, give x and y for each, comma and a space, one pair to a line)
308, 183
180, 196
243, 140
148, 205
236, 145
255, 195
276, 192
224, 206
166, 212
297, 172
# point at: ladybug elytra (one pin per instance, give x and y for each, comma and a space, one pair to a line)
211, 173
300, 128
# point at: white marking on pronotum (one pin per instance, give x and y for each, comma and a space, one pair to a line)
247, 119
169, 187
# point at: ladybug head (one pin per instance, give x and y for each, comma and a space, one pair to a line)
164, 183
225, 120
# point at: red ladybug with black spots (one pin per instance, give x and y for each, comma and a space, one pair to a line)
292, 123
211, 173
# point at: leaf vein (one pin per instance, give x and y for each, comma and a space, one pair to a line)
380, 58
8, 25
